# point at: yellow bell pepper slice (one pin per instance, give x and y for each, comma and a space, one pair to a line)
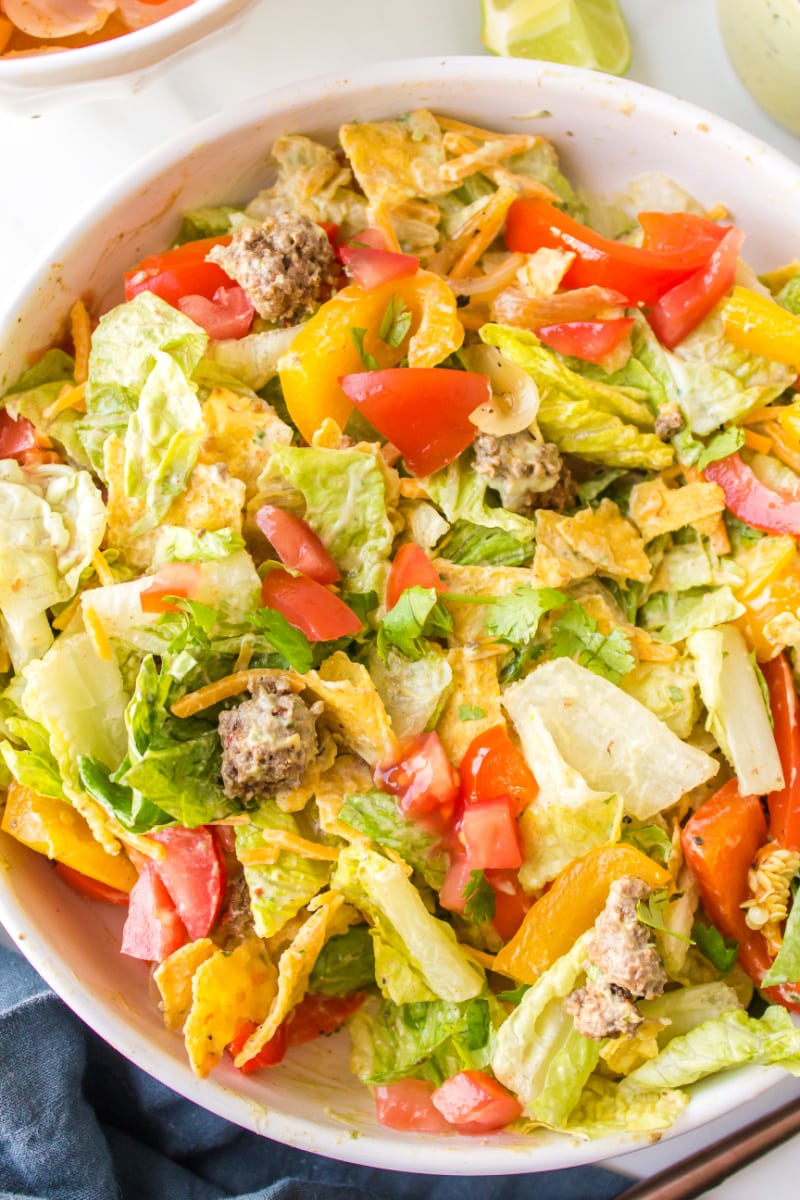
54, 828
324, 348
756, 323
770, 621
571, 906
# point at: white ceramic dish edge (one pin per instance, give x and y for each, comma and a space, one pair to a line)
311, 1102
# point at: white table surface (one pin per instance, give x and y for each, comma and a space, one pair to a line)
56, 158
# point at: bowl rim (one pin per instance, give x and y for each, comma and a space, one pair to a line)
390, 1151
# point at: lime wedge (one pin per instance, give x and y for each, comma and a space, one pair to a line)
582, 33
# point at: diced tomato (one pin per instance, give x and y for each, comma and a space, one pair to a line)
317, 1016
751, 500
424, 411
682, 308
17, 438
493, 766
309, 606
268, 1056
296, 543
411, 568
179, 272
407, 1106
153, 929
369, 268
641, 275
473, 1098
591, 341
192, 873
455, 883
372, 237
423, 780
90, 889
331, 231
229, 314
171, 579
490, 834
784, 806
679, 232
510, 902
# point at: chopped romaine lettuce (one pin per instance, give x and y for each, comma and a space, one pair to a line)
346, 964
280, 890
378, 815
412, 692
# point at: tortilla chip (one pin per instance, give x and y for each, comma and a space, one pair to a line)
658, 509
475, 685
469, 619
292, 800
174, 977
395, 161
354, 712
241, 431
227, 990
294, 969
596, 541
348, 775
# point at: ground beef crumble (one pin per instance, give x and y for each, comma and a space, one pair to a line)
527, 473
267, 741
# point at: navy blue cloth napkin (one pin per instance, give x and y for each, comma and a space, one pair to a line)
79, 1122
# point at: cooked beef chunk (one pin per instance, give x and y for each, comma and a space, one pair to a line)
267, 741
668, 421
524, 471
603, 1012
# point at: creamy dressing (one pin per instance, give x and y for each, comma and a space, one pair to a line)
762, 39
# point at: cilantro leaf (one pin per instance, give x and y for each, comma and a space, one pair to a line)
651, 912
575, 635
719, 950
471, 712
651, 840
515, 618
479, 897
395, 323
367, 359
417, 615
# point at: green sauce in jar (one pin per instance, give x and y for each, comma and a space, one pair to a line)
762, 39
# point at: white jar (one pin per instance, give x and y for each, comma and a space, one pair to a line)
762, 40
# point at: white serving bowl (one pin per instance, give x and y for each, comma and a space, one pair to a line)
44, 80
607, 130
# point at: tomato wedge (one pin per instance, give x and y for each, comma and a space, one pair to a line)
511, 902
318, 1016
153, 929
591, 341
411, 568
493, 766
682, 308
309, 606
476, 1100
179, 272
751, 500
90, 889
17, 438
229, 314
369, 267
407, 1106
679, 232
641, 275
171, 579
270, 1054
296, 543
424, 411
490, 834
423, 780
784, 806
192, 873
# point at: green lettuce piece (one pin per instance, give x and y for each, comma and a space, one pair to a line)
718, 382
413, 693
469, 544
253, 359
79, 700
175, 543
605, 1109
647, 370
786, 966
428, 1040
54, 366
460, 492
540, 1056
789, 295
52, 519
345, 964
38, 388
669, 691
687, 1007
541, 162
581, 415
175, 763
567, 818
728, 1040
738, 716
30, 759
651, 840
346, 505
416, 616
133, 810
417, 956
677, 616
378, 815
278, 891
204, 222
124, 350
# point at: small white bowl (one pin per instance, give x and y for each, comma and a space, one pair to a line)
607, 131
45, 79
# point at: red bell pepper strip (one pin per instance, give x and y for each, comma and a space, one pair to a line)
682, 308
751, 500
591, 341
784, 806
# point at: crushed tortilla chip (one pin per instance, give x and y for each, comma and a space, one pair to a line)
354, 712
596, 541
395, 161
475, 685
227, 990
623, 1055
656, 508
241, 431
295, 967
292, 800
174, 976
469, 619
348, 775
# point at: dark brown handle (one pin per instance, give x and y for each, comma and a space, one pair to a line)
709, 1167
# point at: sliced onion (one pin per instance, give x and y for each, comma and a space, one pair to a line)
138, 13
515, 396
58, 18
493, 281
514, 307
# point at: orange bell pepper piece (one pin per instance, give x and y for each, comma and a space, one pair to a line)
756, 323
56, 829
571, 906
778, 597
324, 349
